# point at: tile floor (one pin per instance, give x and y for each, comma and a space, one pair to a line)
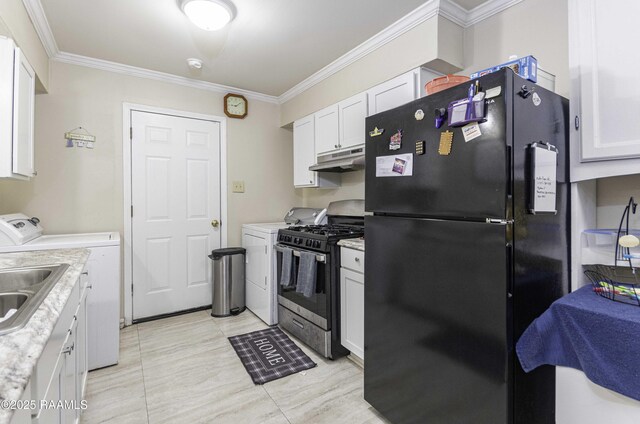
183, 370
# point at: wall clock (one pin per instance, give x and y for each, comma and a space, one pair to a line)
235, 106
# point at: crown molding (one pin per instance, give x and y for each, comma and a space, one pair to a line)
454, 12
41, 24
396, 29
134, 71
488, 9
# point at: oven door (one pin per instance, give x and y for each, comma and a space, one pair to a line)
315, 308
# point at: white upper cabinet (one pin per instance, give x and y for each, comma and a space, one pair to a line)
326, 129
352, 114
399, 90
17, 101
392, 93
304, 154
342, 125
24, 97
605, 103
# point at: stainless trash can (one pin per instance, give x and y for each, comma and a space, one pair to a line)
227, 278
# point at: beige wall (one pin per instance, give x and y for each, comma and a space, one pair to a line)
532, 27
81, 190
17, 25
352, 188
612, 197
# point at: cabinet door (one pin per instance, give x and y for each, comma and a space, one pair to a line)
55, 393
352, 112
392, 93
23, 113
604, 99
352, 311
326, 129
81, 347
70, 355
304, 154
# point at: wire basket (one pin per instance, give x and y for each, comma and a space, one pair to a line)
615, 283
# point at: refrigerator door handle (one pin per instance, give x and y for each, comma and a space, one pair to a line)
509, 270
499, 221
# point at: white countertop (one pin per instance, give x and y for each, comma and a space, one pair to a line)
20, 350
354, 243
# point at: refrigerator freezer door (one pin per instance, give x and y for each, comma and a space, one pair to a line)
436, 332
472, 182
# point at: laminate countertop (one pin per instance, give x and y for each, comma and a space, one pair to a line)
354, 243
21, 349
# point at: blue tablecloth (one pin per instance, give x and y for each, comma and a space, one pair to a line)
590, 333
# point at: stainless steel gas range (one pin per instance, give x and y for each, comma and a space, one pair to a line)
308, 259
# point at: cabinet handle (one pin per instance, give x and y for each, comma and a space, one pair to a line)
299, 324
577, 122
335, 145
35, 173
357, 259
310, 181
67, 350
85, 273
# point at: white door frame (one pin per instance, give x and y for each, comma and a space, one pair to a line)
127, 108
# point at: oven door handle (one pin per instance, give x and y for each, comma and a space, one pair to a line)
319, 258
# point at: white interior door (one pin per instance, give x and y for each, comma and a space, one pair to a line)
175, 189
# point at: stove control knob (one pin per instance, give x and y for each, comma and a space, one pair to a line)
316, 243
308, 243
299, 241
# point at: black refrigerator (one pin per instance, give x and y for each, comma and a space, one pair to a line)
467, 242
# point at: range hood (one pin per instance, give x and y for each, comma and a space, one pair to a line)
349, 160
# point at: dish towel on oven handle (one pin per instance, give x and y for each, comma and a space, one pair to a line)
286, 279
307, 274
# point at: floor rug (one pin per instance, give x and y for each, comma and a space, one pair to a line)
269, 354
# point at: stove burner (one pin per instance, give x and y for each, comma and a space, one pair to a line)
328, 230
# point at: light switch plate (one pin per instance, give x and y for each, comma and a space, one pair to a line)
237, 186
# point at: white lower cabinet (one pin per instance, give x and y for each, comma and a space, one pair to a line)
60, 375
352, 301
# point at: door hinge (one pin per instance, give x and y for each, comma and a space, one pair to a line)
131, 211
130, 133
499, 221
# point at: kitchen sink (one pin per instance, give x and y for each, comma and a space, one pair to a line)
22, 290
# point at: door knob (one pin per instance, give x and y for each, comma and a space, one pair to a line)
215, 223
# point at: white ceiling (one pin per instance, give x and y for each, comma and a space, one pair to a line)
269, 47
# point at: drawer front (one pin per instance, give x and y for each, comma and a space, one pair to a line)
352, 259
308, 332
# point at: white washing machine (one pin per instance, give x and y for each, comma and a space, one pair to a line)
18, 233
260, 273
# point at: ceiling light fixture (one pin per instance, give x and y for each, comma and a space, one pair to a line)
209, 15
